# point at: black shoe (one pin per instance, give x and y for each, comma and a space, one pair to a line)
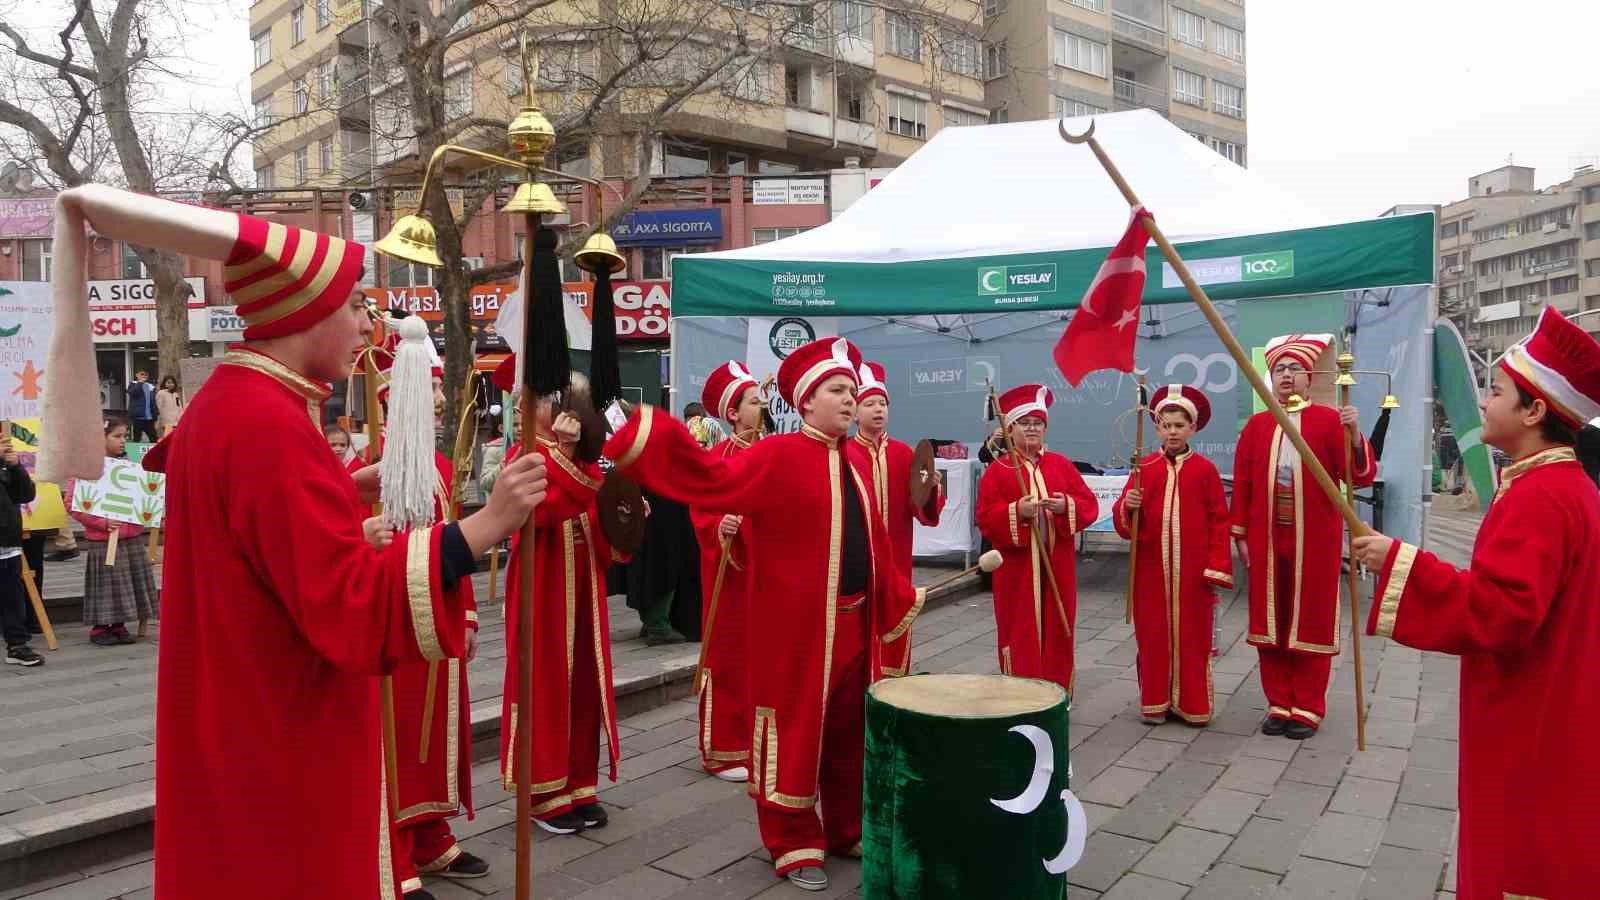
467, 865
123, 637
23, 655
592, 814
61, 556
103, 639
658, 639
1298, 731
419, 894
1273, 726
566, 823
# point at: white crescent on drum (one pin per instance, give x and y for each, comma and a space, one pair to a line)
1044, 765
1077, 833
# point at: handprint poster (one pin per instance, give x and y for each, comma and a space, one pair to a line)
124, 493
25, 320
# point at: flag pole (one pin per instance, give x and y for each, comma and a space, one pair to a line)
1346, 362
1138, 484
1247, 368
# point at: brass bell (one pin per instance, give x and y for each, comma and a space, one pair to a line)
1390, 401
535, 197
531, 135
411, 239
1344, 379
599, 254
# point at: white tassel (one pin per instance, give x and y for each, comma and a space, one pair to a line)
407, 473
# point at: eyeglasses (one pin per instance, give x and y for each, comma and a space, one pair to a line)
1289, 369
1031, 425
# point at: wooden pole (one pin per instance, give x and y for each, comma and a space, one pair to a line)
1346, 361
1246, 365
711, 614
111, 546
391, 757
522, 750
38, 602
1133, 526
152, 545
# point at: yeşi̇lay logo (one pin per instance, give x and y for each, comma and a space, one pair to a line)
1000, 281
788, 334
1262, 266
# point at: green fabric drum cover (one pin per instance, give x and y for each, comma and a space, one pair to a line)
965, 790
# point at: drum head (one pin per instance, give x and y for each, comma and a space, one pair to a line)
923, 474
969, 696
621, 513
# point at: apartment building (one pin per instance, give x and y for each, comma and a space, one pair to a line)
1184, 58
1509, 249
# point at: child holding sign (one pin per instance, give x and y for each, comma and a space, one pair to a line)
125, 590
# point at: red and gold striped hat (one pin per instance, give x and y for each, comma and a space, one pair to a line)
287, 279
1191, 400
1304, 349
1559, 363
872, 378
811, 364
725, 388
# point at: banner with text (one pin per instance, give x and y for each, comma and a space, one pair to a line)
767, 343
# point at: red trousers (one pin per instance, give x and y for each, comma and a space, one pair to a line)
1296, 683
583, 735
800, 837
426, 846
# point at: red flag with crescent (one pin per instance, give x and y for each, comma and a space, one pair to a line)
1102, 331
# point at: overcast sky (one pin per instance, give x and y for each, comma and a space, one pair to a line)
1354, 106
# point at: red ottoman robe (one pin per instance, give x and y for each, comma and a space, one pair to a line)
1525, 620
1183, 555
571, 557
724, 692
276, 616
1033, 641
887, 467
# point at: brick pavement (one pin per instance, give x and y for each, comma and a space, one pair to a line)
1220, 812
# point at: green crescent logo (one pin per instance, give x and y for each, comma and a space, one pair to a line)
787, 334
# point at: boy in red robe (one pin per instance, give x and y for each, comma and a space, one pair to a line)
1525, 620
886, 463
1293, 537
573, 699
1183, 558
835, 612
734, 397
277, 613
1049, 498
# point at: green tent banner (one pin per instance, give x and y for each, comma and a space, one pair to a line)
1396, 250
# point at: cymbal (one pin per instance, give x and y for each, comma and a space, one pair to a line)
621, 508
924, 476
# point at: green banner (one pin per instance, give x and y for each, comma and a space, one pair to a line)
1375, 253
1457, 393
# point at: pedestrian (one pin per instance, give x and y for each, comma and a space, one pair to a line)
1293, 537
1050, 499
270, 778
1524, 619
833, 607
124, 591
339, 442
169, 405
1183, 558
13, 596
142, 408
708, 432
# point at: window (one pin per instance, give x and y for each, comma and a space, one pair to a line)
1228, 42
1187, 87
956, 118
851, 105
999, 116
753, 83
1450, 229
768, 235
302, 164
738, 164
656, 262
1591, 194
263, 48
1188, 28
324, 13
1450, 261
1227, 100
994, 7
1591, 231
854, 19
264, 178
1592, 268
995, 61
1079, 53
903, 37
458, 94
264, 112
960, 55
302, 98
325, 156
36, 260
908, 116
132, 265
683, 159
325, 82
1565, 285
775, 167
406, 274
1096, 5
297, 25
1230, 151
1066, 108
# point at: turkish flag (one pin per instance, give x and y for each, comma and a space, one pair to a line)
1102, 331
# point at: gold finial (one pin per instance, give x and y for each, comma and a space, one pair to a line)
530, 70
530, 133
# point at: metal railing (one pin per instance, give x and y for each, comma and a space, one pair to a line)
1138, 32
1131, 94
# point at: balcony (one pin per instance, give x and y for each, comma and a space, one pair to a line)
1130, 94
1139, 34
820, 126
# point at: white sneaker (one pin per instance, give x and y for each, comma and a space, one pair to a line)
809, 878
737, 773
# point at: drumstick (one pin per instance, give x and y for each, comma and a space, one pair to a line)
988, 562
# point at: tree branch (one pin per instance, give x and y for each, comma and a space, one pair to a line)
459, 8
31, 55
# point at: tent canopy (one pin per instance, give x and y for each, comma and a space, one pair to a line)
1004, 218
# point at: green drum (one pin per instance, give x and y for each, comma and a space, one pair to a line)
965, 790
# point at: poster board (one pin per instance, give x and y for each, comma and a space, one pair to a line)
1107, 489
123, 493
957, 531
47, 512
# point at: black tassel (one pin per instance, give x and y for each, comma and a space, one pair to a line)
1379, 432
545, 365
605, 369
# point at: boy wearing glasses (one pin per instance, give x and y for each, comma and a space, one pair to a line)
1292, 537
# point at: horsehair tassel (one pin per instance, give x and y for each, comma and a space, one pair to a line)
545, 362
605, 368
407, 472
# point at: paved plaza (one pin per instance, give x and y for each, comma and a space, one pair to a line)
1219, 812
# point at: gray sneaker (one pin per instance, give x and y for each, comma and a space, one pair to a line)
809, 878
23, 655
